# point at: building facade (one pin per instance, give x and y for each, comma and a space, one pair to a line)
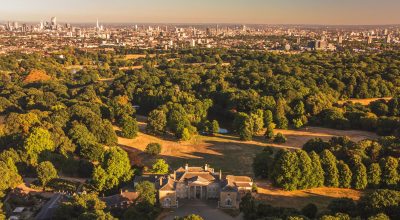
202, 183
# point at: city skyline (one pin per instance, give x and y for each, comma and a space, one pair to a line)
324, 12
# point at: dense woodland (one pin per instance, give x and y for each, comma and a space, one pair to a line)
58, 119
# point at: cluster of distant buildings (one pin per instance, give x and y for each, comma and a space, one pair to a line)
51, 35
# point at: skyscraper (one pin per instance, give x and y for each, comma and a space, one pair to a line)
53, 21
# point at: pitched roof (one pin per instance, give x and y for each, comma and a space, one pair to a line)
189, 175
119, 198
168, 184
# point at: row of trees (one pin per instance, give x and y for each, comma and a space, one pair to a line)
300, 169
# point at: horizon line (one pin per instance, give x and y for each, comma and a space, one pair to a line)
207, 23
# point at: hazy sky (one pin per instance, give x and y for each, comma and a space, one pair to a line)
206, 11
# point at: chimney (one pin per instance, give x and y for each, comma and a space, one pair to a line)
206, 167
186, 167
161, 181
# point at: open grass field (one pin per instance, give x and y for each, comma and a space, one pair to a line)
363, 101
226, 152
300, 198
137, 56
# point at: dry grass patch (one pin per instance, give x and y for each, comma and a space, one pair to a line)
225, 152
297, 138
138, 56
363, 101
300, 198
36, 76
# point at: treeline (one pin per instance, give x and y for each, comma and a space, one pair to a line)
380, 116
337, 163
298, 89
382, 204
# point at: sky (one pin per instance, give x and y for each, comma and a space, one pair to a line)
334, 12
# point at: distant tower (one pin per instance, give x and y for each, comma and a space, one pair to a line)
54, 21
97, 24
369, 39
388, 39
340, 40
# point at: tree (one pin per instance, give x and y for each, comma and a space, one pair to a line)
305, 169
379, 216
258, 120
16, 123
160, 167
153, 149
328, 162
147, 192
215, 127
83, 206
317, 174
342, 205
269, 133
93, 152
156, 122
9, 175
129, 127
39, 140
317, 145
374, 175
190, 217
359, 175
280, 138
268, 118
46, 172
262, 163
390, 175
286, 173
345, 175
99, 178
248, 206
115, 168
184, 134
310, 210
381, 201
243, 126
106, 134
280, 117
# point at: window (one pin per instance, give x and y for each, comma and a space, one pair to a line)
228, 202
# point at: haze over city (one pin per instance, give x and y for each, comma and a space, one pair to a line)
338, 12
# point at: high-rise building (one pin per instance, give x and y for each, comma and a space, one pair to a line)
340, 39
369, 39
388, 39
53, 21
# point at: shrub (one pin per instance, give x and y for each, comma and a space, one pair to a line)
153, 149
280, 138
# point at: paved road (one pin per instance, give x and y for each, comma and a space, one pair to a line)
206, 209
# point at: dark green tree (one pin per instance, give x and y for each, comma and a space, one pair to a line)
156, 122
46, 172
345, 175
374, 175
129, 127
390, 175
328, 162
153, 149
317, 174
